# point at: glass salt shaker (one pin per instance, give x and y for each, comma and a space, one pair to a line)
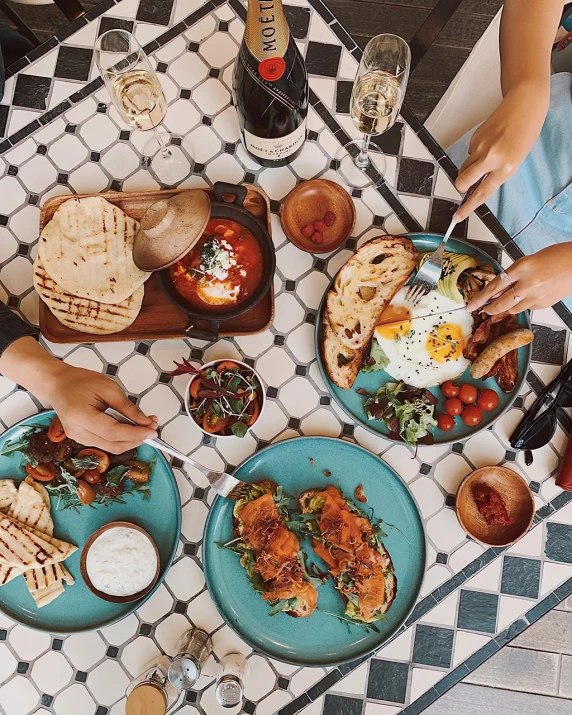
151, 693
233, 672
193, 648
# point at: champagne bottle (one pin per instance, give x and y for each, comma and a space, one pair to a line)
270, 86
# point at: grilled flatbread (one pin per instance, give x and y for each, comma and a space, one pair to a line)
21, 546
39, 579
87, 248
47, 595
8, 493
365, 285
40, 488
7, 573
83, 314
30, 509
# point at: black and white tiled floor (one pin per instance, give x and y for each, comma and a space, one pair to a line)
62, 136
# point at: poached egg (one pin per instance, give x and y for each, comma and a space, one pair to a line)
424, 351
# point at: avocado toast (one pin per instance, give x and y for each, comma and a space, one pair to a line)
270, 553
349, 543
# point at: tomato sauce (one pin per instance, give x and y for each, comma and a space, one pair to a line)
223, 269
491, 505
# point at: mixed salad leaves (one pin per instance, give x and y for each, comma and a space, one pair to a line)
407, 412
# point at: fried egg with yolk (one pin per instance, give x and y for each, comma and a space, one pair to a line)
424, 351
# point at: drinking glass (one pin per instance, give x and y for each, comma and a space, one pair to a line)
377, 96
139, 98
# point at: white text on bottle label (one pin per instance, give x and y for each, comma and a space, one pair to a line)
276, 149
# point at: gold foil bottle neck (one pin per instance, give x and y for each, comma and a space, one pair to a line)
267, 33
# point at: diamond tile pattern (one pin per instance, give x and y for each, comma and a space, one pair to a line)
81, 145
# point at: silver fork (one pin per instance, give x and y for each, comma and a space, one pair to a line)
223, 483
430, 272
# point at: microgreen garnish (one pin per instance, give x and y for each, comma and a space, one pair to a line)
351, 622
228, 394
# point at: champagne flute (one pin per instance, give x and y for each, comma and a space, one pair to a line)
377, 96
139, 98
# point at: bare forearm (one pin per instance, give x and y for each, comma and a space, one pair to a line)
528, 28
27, 363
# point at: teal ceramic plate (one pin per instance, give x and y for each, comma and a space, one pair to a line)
78, 609
320, 640
352, 403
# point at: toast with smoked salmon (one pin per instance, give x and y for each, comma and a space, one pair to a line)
270, 553
350, 545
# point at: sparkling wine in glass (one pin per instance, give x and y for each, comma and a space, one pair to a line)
377, 96
139, 98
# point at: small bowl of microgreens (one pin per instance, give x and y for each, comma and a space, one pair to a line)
224, 398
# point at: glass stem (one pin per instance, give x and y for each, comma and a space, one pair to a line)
164, 148
362, 159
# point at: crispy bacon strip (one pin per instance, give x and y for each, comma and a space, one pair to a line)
490, 328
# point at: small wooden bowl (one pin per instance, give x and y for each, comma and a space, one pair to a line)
516, 495
308, 202
107, 596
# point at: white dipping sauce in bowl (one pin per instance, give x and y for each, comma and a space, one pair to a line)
121, 562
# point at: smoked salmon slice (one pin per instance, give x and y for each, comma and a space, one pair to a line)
349, 544
270, 552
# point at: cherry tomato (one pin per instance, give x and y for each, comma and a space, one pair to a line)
101, 456
91, 476
213, 423
445, 423
468, 394
85, 492
63, 451
253, 410
449, 389
472, 416
195, 387
138, 471
226, 365
68, 465
453, 406
488, 400
42, 472
56, 431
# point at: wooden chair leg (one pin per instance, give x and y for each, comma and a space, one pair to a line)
430, 29
21, 26
72, 9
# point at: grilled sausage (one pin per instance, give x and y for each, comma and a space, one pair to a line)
498, 348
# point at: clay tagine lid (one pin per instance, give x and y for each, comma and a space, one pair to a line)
170, 228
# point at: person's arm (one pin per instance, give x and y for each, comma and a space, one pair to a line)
78, 396
539, 281
503, 141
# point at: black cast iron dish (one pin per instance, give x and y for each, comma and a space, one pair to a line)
205, 325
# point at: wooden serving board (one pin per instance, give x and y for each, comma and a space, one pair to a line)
159, 319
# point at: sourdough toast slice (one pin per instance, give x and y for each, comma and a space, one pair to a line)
342, 363
270, 553
349, 543
365, 285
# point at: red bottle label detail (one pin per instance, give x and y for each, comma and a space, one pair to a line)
272, 68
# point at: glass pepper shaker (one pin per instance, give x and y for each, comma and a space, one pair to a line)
194, 647
233, 672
